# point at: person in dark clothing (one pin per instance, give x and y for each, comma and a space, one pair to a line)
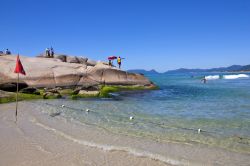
204, 80
110, 63
51, 52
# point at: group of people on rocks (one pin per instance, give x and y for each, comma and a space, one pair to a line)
119, 61
6, 52
49, 52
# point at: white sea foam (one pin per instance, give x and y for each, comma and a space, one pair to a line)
235, 76
212, 77
129, 150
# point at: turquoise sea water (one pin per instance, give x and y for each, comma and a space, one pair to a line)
182, 110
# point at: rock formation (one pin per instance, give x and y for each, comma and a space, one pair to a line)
65, 71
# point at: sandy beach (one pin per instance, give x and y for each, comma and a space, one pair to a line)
39, 139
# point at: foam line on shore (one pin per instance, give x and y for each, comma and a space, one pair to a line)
129, 150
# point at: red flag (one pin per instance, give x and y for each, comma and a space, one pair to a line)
19, 66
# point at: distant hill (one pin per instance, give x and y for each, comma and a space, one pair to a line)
142, 71
246, 68
233, 68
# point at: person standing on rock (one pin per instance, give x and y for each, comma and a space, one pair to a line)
52, 52
110, 63
7, 52
47, 52
119, 61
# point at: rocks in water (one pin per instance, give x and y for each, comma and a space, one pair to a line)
54, 90
51, 94
88, 93
87, 89
30, 90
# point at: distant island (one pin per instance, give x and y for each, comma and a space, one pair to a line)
233, 68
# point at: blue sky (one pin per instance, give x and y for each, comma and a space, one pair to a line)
150, 34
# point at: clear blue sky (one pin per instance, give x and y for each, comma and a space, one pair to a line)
159, 34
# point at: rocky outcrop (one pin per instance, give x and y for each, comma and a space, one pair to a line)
30, 90
64, 71
11, 86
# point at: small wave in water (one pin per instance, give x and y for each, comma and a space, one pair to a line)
136, 152
235, 76
232, 76
212, 77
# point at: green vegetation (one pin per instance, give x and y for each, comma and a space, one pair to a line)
21, 96
74, 97
107, 89
66, 92
104, 92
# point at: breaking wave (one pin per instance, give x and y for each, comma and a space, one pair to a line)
212, 77
232, 76
235, 76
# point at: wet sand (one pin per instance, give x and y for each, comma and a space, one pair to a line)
39, 139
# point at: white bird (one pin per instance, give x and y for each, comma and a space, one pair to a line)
63, 106
199, 131
131, 118
87, 110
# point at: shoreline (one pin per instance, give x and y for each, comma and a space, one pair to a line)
50, 134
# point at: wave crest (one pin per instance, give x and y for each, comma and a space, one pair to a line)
235, 76
212, 77
232, 76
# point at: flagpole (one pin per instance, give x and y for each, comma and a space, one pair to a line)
17, 94
18, 69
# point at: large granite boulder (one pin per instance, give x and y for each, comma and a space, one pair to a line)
51, 72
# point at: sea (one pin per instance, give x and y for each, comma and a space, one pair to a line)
182, 110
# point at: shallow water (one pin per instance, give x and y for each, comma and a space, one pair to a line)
175, 112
